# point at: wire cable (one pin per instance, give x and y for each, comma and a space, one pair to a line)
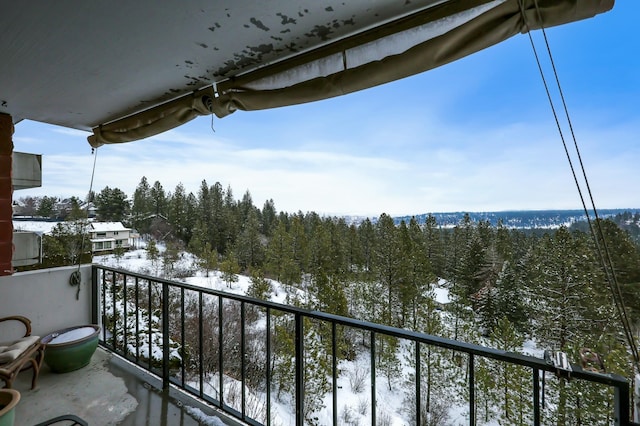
75, 279
598, 237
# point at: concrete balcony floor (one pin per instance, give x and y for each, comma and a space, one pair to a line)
109, 391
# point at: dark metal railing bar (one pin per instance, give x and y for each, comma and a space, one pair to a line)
114, 332
334, 375
220, 354
94, 299
125, 328
543, 387
299, 372
242, 360
165, 336
418, 383
373, 377
472, 392
103, 310
137, 320
149, 314
268, 367
621, 406
182, 315
200, 345
536, 397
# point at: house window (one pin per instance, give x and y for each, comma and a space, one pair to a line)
115, 232
107, 245
98, 246
101, 234
119, 243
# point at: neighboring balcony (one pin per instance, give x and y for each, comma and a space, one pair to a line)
224, 353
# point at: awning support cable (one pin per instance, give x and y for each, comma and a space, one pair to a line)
596, 230
76, 278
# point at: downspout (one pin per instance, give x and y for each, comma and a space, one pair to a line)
6, 195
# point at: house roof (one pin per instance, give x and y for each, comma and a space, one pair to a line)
128, 70
107, 227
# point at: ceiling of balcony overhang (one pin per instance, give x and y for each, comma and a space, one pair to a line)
82, 64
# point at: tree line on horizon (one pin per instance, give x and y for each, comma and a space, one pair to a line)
292, 248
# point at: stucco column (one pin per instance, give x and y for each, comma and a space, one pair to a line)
6, 195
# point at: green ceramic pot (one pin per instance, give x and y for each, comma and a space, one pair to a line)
8, 400
70, 349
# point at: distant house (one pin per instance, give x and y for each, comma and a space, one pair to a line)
107, 236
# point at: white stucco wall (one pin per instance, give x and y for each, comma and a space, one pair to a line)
46, 298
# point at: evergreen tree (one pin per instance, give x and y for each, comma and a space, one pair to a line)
388, 267
434, 245
512, 381
563, 274
249, 246
278, 252
230, 269
268, 217
153, 254
208, 258
179, 214
46, 206
158, 200
141, 206
259, 286
67, 244
112, 205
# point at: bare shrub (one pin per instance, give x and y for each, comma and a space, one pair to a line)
363, 406
357, 378
348, 417
435, 414
383, 419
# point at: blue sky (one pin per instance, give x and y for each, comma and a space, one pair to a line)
475, 135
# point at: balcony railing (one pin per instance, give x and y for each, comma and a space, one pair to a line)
211, 344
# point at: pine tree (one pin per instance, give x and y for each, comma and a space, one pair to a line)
259, 286
141, 207
46, 206
178, 214
249, 247
112, 204
230, 269
153, 254
388, 267
512, 381
563, 275
269, 217
158, 199
434, 245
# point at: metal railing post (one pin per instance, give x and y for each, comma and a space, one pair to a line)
621, 405
299, 366
94, 295
472, 391
418, 383
373, 378
165, 336
536, 397
220, 353
334, 378
243, 399
268, 366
